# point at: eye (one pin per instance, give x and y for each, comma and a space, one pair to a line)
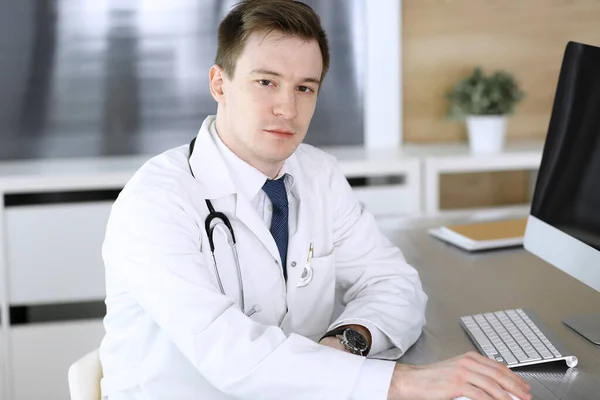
264, 82
305, 89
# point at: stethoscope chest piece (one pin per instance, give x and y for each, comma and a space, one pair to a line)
307, 275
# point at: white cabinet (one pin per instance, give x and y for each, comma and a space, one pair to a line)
53, 252
3, 365
42, 354
386, 200
392, 179
442, 159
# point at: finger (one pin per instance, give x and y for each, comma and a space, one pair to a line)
501, 368
520, 383
474, 393
502, 377
489, 386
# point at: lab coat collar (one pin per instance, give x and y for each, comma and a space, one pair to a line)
208, 166
211, 170
214, 165
247, 180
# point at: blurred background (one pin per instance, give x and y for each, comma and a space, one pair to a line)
113, 77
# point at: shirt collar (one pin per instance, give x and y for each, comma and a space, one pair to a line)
247, 179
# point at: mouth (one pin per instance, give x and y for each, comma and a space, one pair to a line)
280, 132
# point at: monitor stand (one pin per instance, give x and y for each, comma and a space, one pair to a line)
587, 326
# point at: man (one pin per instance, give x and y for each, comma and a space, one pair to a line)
183, 322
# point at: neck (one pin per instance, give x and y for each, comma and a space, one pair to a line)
270, 169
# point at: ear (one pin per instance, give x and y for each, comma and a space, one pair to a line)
216, 77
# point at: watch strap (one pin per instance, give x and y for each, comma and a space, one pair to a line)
334, 332
340, 331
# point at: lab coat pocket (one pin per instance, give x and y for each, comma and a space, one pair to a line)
315, 297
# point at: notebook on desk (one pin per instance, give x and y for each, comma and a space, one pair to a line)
483, 235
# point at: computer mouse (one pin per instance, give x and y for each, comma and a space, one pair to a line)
466, 398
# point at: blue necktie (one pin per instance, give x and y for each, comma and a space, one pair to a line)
275, 189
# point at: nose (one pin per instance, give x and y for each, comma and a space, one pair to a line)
285, 105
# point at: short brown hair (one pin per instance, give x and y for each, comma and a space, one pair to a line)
286, 16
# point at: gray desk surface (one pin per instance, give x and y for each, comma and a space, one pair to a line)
460, 283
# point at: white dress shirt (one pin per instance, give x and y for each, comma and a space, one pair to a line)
249, 182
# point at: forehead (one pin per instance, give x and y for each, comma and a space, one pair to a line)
281, 53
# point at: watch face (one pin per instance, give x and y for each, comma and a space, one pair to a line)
356, 340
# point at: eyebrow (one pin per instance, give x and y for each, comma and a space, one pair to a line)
268, 72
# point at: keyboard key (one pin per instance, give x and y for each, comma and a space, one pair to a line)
546, 354
556, 353
511, 360
491, 353
539, 346
536, 358
522, 357
480, 337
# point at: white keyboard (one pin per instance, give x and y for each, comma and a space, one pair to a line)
515, 338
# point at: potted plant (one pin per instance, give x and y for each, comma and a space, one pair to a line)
485, 102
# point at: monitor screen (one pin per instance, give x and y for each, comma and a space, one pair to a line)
564, 223
567, 192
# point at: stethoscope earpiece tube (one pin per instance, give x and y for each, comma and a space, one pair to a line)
207, 226
220, 218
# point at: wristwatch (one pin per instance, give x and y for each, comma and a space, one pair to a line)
352, 340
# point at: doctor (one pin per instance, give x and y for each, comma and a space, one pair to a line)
251, 316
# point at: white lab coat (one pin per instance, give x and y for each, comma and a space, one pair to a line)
171, 334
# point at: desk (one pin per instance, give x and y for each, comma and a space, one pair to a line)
459, 283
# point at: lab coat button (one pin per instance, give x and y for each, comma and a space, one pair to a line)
293, 263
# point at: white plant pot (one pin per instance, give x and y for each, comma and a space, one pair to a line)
487, 133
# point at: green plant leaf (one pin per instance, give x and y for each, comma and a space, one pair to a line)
478, 94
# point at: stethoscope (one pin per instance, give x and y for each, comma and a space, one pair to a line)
215, 219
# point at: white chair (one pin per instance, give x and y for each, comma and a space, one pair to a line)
84, 377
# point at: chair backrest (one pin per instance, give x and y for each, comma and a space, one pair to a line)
84, 377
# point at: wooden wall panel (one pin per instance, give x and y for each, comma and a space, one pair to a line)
444, 39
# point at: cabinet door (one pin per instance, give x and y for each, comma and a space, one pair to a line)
42, 354
54, 252
387, 200
3, 367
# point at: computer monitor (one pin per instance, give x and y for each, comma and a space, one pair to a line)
563, 227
